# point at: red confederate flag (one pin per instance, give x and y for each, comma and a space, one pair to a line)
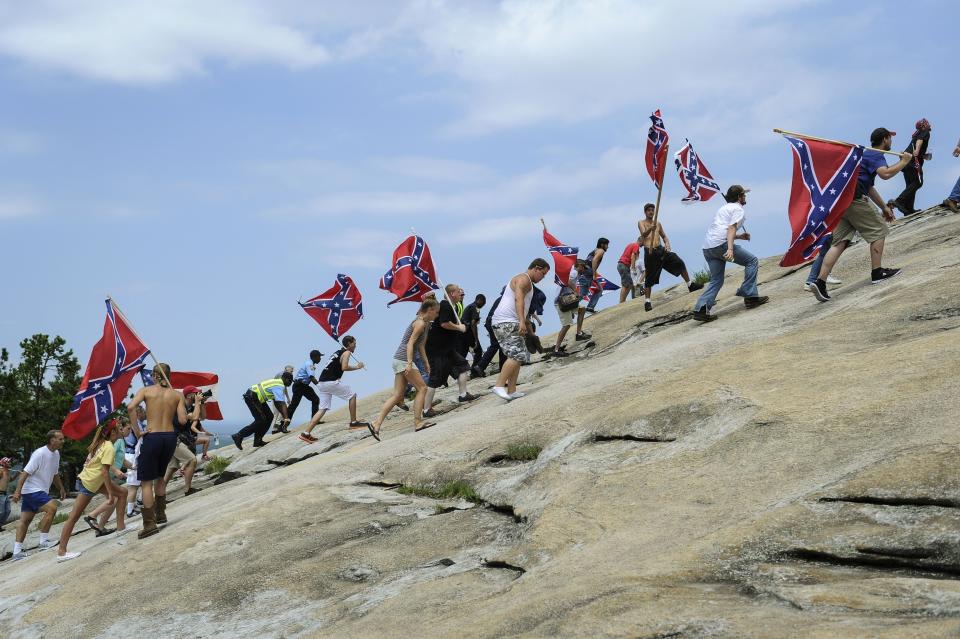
181, 379
412, 275
115, 359
336, 309
657, 141
824, 182
564, 258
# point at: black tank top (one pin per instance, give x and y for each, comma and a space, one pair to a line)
333, 370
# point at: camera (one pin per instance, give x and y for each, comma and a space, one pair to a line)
207, 394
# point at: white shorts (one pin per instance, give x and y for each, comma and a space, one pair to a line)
132, 472
326, 391
567, 318
400, 366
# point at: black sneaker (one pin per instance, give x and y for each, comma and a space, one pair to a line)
559, 353
590, 310
703, 316
466, 398
237, 441
819, 290
647, 306
580, 337
257, 444
475, 373
694, 286
753, 302
880, 274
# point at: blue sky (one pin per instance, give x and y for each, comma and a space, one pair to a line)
209, 163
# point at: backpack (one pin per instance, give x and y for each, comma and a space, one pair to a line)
568, 301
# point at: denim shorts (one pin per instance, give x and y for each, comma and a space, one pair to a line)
4, 509
82, 490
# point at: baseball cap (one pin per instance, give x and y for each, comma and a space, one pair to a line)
734, 192
878, 134
190, 389
5, 462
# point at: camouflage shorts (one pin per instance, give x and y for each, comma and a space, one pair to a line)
511, 343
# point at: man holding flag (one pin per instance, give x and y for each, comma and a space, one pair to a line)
860, 217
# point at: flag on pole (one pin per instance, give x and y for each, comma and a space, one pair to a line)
600, 283
115, 359
695, 177
564, 258
181, 379
824, 182
412, 275
338, 308
657, 140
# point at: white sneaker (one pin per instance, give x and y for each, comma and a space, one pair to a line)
18, 556
501, 392
48, 544
832, 280
806, 286
67, 557
517, 395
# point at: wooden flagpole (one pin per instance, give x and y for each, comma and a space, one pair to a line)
812, 137
656, 208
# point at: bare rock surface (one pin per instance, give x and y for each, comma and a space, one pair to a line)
787, 471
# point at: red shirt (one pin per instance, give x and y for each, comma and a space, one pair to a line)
632, 248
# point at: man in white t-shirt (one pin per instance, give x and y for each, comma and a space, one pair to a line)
35, 479
719, 248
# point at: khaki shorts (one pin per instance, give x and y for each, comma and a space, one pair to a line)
862, 217
181, 455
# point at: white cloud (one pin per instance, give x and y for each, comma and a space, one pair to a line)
12, 207
147, 42
614, 165
435, 169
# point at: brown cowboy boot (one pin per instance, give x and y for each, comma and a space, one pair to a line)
160, 508
149, 523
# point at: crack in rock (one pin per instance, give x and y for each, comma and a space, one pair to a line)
632, 438
945, 313
499, 564
895, 501
880, 562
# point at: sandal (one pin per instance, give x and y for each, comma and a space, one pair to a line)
424, 426
358, 425
93, 524
105, 531
376, 435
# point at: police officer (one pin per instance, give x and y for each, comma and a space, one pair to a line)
256, 399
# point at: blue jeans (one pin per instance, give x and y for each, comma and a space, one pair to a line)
584, 282
955, 193
817, 263
717, 266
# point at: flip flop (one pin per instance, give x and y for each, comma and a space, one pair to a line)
93, 524
424, 426
372, 432
358, 425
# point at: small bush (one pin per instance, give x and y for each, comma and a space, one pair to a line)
702, 276
216, 465
523, 451
451, 490
59, 518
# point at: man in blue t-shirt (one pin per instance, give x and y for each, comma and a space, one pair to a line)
860, 217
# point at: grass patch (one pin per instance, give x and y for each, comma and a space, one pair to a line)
59, 518
216, 465
451, 490
702, 276
523, 452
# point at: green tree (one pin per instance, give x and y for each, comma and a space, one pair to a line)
35, 397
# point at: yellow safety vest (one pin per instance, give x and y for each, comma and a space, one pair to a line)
262, 390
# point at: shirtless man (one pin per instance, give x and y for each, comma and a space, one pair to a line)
163, 403
658, 257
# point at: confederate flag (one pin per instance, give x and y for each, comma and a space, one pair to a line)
824, 182
115, 359
564, 258
338, 308
412, 275
600, 283
657, 142
694, 176
181, 379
